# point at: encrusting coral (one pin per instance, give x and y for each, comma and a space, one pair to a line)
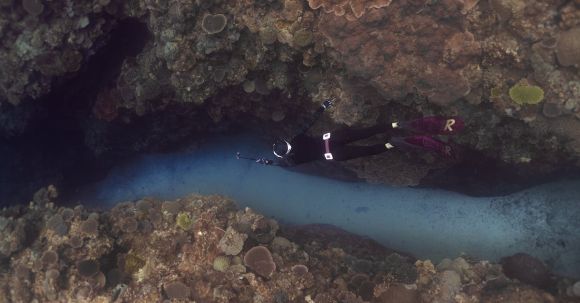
351, 9
259, 259
213, 24
176, 290
568, 48
232, 242
162, 261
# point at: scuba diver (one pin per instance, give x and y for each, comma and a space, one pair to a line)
335, 145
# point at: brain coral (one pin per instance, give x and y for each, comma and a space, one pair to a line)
351, 9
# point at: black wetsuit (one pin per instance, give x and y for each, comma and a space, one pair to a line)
307, 149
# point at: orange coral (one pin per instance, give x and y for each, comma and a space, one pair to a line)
351, 9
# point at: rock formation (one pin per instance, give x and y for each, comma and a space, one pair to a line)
140, 252
271, 62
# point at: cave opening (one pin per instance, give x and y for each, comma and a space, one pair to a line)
48, 146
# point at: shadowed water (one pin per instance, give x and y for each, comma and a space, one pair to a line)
542, 221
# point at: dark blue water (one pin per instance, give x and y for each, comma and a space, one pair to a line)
542, 221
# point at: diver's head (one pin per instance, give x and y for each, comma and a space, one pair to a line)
281, 148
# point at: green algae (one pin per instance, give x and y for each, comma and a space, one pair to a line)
495, 92
302, 38
526, 94
221, 263
133, 263
184, 221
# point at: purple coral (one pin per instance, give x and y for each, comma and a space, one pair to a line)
300, 270
259, 259
176, 290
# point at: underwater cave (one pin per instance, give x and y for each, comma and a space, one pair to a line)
136, 142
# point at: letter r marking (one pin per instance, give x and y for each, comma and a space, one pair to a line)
448, 124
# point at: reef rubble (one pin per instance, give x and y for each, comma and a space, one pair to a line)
205, 65
205, 249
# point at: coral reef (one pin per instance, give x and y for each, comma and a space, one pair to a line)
398, 64
50, 40
263, 62
161, 261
